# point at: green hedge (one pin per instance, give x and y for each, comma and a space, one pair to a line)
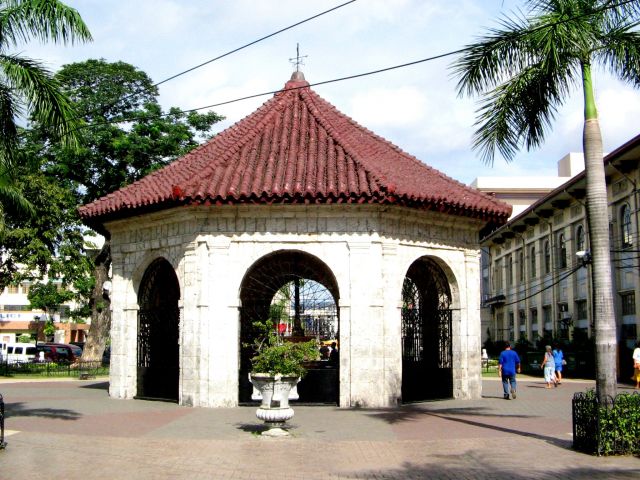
608, 428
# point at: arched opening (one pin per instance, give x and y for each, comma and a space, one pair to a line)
158, 333
298, 293
426, 333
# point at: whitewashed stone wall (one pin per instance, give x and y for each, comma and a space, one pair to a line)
369, 250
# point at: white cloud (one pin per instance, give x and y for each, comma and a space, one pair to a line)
392, 107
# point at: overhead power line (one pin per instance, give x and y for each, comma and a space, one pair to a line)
252, 43
335, 80
551, 285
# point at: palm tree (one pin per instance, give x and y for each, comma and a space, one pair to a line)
524, 70
27, 88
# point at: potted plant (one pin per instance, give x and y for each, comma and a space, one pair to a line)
276, 368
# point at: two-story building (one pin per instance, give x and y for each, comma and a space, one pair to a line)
538, 282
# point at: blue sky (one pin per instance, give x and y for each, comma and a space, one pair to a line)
416, 107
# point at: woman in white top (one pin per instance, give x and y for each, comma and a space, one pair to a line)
549, 366
636, 365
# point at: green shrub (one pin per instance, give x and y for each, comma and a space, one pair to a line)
275, 355
617, 426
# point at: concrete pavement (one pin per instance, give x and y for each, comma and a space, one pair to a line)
73, 430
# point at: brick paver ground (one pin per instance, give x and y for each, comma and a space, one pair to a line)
73, 430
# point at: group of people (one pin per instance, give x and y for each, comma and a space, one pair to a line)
509, 365
329, 354
552, 363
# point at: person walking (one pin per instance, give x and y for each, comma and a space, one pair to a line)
508, 366
636, 365
549, 367
558, 359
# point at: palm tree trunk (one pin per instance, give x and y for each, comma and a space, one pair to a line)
598, 220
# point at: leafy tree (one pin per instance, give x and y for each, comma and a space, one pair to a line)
525, 69
127, 135
50, 243
46, 296
26, 86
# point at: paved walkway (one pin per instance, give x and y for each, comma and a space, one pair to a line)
73, 430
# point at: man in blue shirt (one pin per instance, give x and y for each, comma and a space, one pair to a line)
508, 365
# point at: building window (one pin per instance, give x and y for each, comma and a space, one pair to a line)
25, 288
522, 324
533, 262
497, 276
628, 303
581, 310
625, 226
533, 313
521, 266
562, 251
580, 239
12, 289
500, 335
564, 320
511, 327
548, 321
510, 271
547, 257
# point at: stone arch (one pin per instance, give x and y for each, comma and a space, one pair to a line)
262, 281
143, 265
158, 353
429, 296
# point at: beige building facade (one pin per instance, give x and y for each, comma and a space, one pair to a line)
539, 277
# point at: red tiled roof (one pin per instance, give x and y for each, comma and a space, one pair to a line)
297, 148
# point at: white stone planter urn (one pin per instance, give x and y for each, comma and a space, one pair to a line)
274, 410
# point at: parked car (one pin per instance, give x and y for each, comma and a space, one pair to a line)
59, 352
20, 352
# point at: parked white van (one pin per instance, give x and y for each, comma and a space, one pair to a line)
20, 352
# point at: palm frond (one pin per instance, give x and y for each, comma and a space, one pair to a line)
9, 111
22, 20
621, 55
518, 113
495, 57
42, 95
11, 199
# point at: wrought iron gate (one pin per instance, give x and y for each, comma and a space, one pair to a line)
299, 294
426, 334
158, 331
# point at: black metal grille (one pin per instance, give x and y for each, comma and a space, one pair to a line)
610, 427
299, 294
2, 442
426, 333
158, 332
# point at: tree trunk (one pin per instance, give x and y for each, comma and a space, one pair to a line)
100, 308
602, 284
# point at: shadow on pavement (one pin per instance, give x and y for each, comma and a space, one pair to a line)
413, 412
477, 467
16, 410
97, 386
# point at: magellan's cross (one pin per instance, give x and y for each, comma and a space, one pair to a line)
297, 60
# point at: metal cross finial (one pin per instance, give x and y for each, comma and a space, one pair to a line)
297, 60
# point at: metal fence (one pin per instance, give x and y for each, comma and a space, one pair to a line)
611, 427
3, 444
81, 369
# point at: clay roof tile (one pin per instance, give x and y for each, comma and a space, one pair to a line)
297, 148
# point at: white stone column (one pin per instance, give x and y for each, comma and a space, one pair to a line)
470, 377
366, 350
124, 349
221, 327
392, 279
189, 326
